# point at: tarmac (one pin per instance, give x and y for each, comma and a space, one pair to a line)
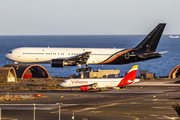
147, 100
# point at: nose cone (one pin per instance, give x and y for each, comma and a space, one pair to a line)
62, 84
8, 56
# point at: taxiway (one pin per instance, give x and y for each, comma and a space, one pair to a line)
130, 103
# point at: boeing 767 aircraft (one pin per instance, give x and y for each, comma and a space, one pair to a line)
60, 57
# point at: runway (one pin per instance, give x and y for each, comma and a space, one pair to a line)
130, 103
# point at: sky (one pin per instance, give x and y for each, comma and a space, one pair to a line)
88, 17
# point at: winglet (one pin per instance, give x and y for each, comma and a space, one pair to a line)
130, 77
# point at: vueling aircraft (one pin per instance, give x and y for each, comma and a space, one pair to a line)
98, 84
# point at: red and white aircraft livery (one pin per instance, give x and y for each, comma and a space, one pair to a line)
97, 84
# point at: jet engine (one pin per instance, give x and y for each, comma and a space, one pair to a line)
84, 88
61, 63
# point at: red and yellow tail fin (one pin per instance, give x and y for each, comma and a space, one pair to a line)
130, 77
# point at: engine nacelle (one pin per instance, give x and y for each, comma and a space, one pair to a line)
84, 88
60, 63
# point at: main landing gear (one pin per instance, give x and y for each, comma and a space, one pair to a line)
83, 69
97, 90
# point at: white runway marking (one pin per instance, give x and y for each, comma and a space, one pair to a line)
167, 107
137, 91
156, 99
166, 117
156, 83
92, 108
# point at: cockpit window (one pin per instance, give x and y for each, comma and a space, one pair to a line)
10, 52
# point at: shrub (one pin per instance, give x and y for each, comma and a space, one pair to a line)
176, 108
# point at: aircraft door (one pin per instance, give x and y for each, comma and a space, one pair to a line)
19, 54
127, 55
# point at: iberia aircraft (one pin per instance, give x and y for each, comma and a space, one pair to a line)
60, 57
97, 84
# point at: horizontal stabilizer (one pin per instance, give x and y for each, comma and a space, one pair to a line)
163, 52
149, 55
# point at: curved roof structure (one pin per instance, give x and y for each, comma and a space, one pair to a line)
175, 72
29, 71
8, 74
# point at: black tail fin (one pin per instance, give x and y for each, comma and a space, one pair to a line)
150, 42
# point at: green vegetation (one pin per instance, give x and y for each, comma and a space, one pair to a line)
42, 80
176, 108
11, 83
34, 84
45, 84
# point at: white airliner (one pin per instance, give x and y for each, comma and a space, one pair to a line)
60, 57
97, 84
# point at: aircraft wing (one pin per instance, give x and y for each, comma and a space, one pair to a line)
71, 61
96, 85
80, 58
92, 86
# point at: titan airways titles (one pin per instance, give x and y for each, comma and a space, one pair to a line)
60, 57
97, 84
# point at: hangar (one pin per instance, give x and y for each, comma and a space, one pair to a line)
7, 74
175, 72
29, 71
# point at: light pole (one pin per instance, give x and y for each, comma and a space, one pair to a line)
0, 113
59, 109
73, 115
34, 111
